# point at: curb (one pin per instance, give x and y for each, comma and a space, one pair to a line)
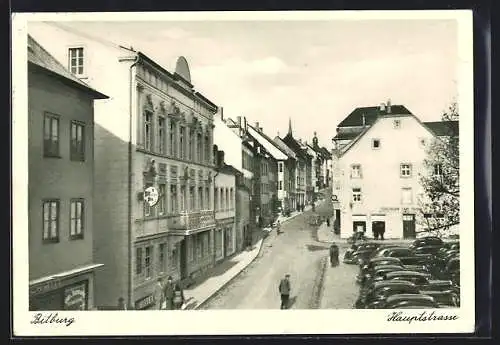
199, 305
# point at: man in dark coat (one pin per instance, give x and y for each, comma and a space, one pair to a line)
169, 293
284, 290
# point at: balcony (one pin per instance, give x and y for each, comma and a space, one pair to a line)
189, 222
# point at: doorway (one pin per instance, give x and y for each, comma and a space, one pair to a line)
378, 229
359, 226
183, 257
409, 226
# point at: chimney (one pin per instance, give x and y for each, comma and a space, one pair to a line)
364, 120
238, 119
220, 158
257, 126
244, 123
388, 106
222, 113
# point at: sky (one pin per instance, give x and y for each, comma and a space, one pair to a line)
314, 72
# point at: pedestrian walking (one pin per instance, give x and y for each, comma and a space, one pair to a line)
284, 290
328, 221
375, 233
278, 227
334, 255
158, 294
178, 297
168, 292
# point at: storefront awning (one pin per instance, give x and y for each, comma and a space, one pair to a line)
66, 274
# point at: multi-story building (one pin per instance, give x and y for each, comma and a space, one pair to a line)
379, 171
303, 159
153, 166
286, 177
225, 209
61, 185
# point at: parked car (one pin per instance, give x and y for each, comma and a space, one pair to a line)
350, 254
425, 241
379, 291
381, 251
377, 274
396, 252
416, 301
445, 299
357, 237
447, 270
421, 259
423, 280
364, 268
429, 249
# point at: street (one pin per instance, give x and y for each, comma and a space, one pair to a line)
296, 251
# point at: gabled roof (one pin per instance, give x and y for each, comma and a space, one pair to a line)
267, 143
353, 142
443, 128
294, 145
355, 118
285, 148
40, 58
346, 135
326, 153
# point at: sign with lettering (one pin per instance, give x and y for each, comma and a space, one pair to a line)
145, 302
151, 196
75, 297
45, 287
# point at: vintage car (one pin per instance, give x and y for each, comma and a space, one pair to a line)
421, 259
447, 270
396, 252
381, 251
445, 299
377, 274
379, 291
425, 241
429, 249
368, 266
351, 255
405, 300
423, 280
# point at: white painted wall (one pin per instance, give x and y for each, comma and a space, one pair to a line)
381, 183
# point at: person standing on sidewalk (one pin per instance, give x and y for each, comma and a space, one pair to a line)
278, 227
169, 294
334, 255
284, 290
158, 294
178, 297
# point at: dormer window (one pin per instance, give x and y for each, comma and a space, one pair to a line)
375, 143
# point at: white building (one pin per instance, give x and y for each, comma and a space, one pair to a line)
379, 174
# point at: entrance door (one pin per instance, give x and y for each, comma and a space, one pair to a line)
337, 217
378, 227
409, 226
359, 226
184, 259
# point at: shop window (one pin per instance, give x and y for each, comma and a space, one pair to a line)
138, 261
148, 254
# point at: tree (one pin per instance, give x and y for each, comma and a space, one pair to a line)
440, 206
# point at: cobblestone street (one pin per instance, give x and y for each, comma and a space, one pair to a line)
295, 251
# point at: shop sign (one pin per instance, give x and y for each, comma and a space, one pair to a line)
75, 297
145, 302
45, 287
151, 196
389, 209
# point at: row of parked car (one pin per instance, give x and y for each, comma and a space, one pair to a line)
425, 274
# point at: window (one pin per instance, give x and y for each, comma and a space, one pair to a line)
231, 195
375, 143
51, 221
191, 145
438, 170
148, 253
207, 149
405, 170
172, 138
356, 194
183, 199
422, 142
173, 198
207, 199
222, 201
397, 124
192, 199
148, 210
75, 62
51, 135
77, 145
161, 257
161, 199
216, 199
161, 135
406, 196
182, 142
281, 185
76, 219
199, 149
148, 117
280, 166
138, 261
228, 203
356, 171
201, 199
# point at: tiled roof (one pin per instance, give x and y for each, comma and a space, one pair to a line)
346, 136
268, 144
371, 113
295, 146
326, 153
443, 128
38, 56
278, 141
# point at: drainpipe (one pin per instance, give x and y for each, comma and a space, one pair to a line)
129, 187
215, 231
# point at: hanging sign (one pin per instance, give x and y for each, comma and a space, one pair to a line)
151, 196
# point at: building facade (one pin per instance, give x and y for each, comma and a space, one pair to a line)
287, 176
379, 174
154, 167
61, 185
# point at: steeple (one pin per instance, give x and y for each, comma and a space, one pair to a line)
315, 140
290, 126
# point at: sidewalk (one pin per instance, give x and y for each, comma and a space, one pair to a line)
198, 294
